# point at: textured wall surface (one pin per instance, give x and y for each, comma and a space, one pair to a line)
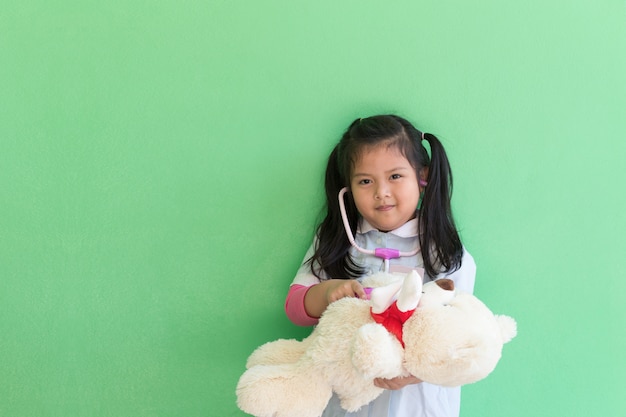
160, 179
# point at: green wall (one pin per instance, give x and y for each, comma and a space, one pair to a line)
160, 177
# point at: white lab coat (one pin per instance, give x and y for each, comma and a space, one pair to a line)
418, 400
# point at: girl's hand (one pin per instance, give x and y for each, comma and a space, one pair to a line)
397, 382
319, 296
341, 288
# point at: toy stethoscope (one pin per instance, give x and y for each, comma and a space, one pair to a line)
384, 253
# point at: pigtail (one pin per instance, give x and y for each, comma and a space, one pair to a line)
441, 245
331, 256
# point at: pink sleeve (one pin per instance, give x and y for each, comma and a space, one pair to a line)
294, 306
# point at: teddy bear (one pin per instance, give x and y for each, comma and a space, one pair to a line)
431, 331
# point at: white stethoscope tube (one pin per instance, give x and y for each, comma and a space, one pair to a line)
384, 253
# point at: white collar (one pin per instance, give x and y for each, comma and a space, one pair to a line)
408, 229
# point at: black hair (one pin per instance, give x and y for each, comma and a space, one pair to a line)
441, 245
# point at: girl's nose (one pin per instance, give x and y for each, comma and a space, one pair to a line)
381, 192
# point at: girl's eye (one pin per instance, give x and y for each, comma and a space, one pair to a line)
396, 176
365, 182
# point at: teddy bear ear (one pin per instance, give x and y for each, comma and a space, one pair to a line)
508, 327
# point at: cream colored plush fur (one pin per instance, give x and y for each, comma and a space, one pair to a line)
451, 339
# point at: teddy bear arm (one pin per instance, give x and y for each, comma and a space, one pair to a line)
376, 353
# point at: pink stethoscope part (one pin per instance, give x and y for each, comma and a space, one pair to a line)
384, 253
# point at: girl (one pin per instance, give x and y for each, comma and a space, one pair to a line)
397, 197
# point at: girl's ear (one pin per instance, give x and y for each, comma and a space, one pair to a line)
423, 178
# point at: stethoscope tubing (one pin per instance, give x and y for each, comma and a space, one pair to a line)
384, 253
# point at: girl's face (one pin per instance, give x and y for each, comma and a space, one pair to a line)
385, 188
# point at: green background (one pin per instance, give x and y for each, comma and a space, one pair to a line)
160, 179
